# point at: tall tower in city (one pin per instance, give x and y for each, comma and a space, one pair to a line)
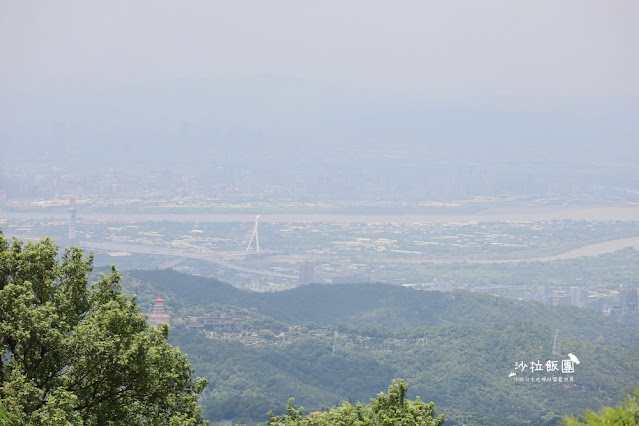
72, 219
307, 273
159, 314
578, 296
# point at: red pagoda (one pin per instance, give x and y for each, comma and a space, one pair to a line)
159, 314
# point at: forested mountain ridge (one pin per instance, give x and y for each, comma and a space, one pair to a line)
457, 350
388, 305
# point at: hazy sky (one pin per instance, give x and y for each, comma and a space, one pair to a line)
293, 80
438, 48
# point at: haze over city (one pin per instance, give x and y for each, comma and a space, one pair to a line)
318, 87
318, 198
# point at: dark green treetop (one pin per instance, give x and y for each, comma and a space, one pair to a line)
384, 410
76, 352
625, 414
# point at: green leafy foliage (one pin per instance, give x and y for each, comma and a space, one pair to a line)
625, 414
76, 352
385, 410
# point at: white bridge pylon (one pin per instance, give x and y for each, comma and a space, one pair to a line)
255, 236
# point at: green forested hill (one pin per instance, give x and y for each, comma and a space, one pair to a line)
245, 382
372, 305
456, 350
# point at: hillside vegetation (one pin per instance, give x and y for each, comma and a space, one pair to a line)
456, 350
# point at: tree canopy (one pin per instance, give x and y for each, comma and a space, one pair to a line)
384, 410
626, 413
80, 352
